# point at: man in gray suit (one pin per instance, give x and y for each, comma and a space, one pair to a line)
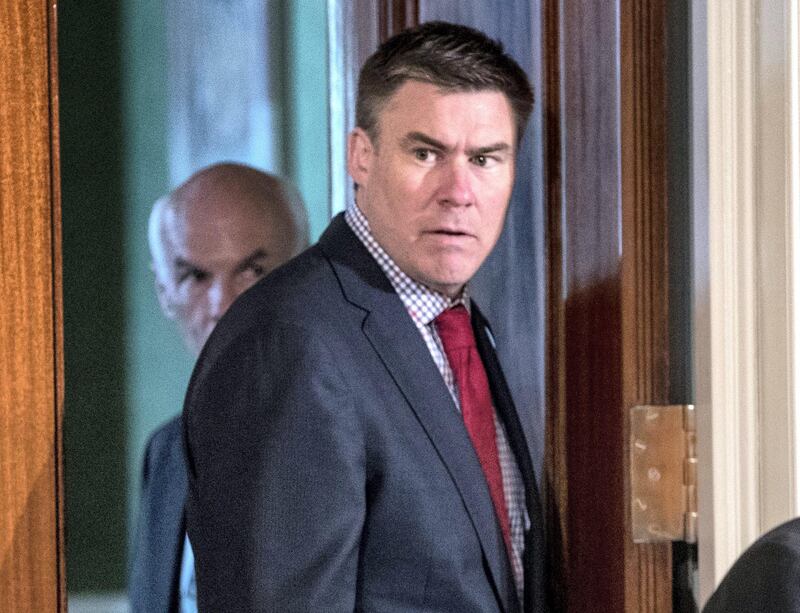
352, 444
210, 240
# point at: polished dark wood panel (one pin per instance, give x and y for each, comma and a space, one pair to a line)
555, 459
608, 307
31, 516
394, 16
645, 279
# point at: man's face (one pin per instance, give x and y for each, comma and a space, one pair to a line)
435, 183
211, 254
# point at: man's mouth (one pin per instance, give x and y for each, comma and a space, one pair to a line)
450, 232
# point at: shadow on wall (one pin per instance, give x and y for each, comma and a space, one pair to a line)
94, 293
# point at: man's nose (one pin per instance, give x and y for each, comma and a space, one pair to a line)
456, 184
221, 295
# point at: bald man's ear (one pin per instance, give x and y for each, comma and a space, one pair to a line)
359, 155
163, 300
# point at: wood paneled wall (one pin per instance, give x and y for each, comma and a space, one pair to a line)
394, 16
31, 541
608, 291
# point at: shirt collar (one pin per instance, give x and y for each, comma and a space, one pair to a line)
422, 303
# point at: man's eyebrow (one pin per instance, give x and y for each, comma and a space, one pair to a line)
413, 138
258, 254
181, 263
494, 148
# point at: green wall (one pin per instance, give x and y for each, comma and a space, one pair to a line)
305, 103
126, 369
157, 365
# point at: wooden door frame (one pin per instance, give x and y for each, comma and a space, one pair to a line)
608, 349
31, 397
396, 15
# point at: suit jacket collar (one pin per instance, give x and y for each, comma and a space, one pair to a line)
534, 540
398, 343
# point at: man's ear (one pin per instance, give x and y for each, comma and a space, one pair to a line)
163, 300
359, 156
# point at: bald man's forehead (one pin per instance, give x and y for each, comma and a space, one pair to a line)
199, 199
232, 183
218, 220
222, 236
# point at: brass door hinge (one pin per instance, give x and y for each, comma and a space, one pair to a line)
663, 471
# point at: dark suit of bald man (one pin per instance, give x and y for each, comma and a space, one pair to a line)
161, 523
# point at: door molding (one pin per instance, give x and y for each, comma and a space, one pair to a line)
746, 278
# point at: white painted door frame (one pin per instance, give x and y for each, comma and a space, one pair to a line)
745, 184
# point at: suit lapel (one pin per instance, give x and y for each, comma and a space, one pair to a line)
504, 405
174, 520
164, 520
400, 347
501, 395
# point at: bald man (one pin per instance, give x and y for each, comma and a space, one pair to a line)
210, 239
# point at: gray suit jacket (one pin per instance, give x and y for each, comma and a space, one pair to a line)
766, 577
160, 527
329, 469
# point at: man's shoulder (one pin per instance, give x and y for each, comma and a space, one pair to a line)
311, 280
784, 539
764, 578
297, 284
165, 447
301, 299
166, 434
306, 292
788, 532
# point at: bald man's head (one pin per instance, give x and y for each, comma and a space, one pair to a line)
217, 234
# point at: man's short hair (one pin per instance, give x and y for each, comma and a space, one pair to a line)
451, 57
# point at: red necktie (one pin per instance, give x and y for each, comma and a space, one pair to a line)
477, 409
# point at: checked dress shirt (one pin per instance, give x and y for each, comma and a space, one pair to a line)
424, 306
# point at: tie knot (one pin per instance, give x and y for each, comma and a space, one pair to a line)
454, 328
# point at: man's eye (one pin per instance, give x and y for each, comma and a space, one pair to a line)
482, 160
196, 275
424, 155
257, 270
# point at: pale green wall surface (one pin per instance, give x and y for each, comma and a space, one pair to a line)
157, 365
305, 130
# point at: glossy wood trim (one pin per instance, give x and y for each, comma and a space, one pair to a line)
58, 307
396, 15
31, 397
645, 279
607, 305
555, 463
